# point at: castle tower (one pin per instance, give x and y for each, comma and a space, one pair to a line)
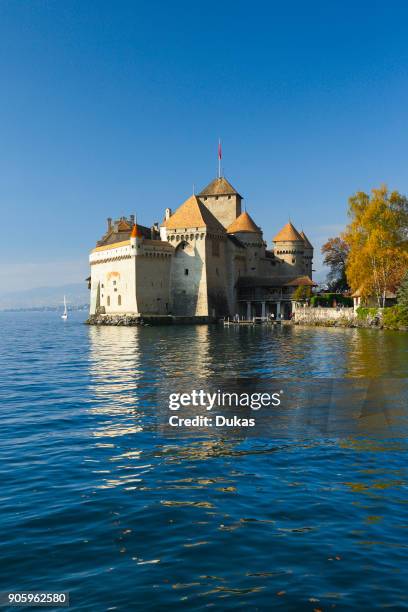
199, 267
246, 230
289, 246
135, 239
222, 200
308, 256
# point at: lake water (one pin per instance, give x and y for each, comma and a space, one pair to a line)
98, 501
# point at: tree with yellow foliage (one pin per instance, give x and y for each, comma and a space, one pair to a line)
378, 242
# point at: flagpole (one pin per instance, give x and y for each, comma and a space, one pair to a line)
219, 158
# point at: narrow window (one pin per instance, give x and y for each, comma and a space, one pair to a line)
108, 300
119, 300
186, 272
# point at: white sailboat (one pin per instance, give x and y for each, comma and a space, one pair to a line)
65, 313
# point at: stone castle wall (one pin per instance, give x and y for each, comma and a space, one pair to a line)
153, 282
316, 316
189, 278
113, 281
225, 208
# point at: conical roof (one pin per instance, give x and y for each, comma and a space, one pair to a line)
301, 281
136, 232
192, 213
243, 223
288, 233
219, 186
306, 240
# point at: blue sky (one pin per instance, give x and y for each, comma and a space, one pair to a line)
109, 108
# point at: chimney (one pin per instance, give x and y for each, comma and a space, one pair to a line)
109, 220
167, 213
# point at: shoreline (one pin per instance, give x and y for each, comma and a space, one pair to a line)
345, 318
129, 320
348, 325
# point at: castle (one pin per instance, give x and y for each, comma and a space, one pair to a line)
208, 259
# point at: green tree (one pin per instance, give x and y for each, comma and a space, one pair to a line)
302, 293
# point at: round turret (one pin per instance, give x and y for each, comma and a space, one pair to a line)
289, 246
245, 229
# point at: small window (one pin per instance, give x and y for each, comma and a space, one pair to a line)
114, 282
186, 272
108, 300
229, 197
119, 300
115, 289
102, 285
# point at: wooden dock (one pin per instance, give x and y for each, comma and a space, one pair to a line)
253, 321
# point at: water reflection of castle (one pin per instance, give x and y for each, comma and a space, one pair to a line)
208, 258
120, 363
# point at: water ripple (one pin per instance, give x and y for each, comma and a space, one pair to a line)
97, 501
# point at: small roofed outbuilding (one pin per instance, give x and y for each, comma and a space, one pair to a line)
244, 224
361, 298
301, 281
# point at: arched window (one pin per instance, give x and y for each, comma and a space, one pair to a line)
119, 300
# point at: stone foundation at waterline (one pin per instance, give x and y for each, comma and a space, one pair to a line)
333, 317
129, 320
343, 317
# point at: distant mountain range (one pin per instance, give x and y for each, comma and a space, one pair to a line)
44, 298
50, 298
